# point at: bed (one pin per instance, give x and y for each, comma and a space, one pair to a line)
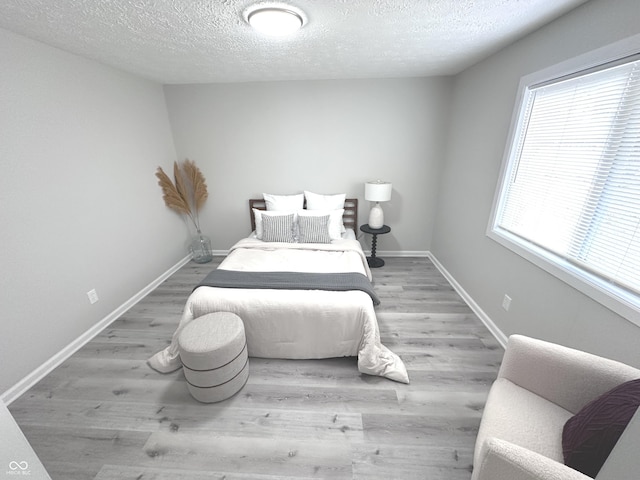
317, 301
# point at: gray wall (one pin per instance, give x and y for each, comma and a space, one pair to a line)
323, 136
79, 204
483, 101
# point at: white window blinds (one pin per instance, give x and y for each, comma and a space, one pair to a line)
572, 186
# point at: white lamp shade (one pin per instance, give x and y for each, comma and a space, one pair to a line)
377, 191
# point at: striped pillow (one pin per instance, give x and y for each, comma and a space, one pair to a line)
313, 229
336, 226
277, 228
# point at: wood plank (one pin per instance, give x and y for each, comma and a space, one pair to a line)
72, 452
415, 462
275, 395
283, 456
123, 472
222, 418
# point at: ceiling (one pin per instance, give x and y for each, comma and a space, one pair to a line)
208, 41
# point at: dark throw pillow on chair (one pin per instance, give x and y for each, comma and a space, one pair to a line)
589, 436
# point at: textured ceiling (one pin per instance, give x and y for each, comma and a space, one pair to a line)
196, 41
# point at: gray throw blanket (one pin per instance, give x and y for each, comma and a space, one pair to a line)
290, 281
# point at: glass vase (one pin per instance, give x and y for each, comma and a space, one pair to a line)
200, 248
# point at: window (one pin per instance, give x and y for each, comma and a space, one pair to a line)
569, 197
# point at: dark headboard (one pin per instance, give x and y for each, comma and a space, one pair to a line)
350, 216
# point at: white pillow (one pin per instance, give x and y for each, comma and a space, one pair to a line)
315, 201
335, 220
257, 215
284, 203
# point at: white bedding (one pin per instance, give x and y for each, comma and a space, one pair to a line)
296, 324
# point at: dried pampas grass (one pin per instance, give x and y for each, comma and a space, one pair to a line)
197, 183
171, 195
188, 194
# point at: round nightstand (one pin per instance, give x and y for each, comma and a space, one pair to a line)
373, 261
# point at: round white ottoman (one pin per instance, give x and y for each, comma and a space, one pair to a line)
213, 350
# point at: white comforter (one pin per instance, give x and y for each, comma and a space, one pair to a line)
296, 323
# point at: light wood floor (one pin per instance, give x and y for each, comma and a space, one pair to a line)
104, 414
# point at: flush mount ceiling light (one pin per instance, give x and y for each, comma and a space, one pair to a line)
276, 21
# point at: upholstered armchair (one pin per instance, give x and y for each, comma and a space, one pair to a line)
540, 386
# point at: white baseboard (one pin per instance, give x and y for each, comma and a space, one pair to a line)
484, 318
39, 373
403, 253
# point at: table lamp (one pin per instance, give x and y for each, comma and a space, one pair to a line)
377, 191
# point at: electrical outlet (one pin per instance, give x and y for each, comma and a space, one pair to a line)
93, 296
506, 302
